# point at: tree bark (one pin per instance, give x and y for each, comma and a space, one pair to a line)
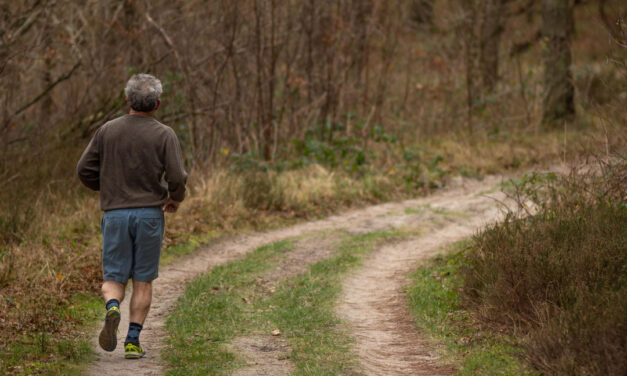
467, 33
490, 40
421, 12
557, 26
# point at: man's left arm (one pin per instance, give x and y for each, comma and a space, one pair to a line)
175, 174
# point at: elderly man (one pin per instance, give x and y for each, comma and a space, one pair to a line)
136, 164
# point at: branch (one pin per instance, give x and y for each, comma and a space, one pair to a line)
617, 33
35, 12
167, 40
521, 47
43, 93
47, 90
526, 7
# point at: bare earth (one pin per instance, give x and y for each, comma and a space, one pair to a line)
387, 342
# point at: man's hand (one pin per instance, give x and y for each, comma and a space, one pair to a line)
171, 206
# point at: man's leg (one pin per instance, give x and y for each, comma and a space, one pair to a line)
140, 305
149, 235
113, 290
140, 301
117, 256
113, 293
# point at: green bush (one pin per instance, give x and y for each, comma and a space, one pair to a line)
559, 277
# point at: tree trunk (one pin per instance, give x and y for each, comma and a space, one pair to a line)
557, 26
467, 32
490, 39
421, 12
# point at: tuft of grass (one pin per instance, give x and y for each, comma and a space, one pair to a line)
558, 278
435, 302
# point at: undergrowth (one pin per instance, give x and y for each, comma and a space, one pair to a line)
434, 298
556, 276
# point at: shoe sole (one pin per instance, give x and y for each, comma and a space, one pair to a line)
134, 355
108, 338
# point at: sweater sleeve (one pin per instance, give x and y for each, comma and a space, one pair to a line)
88, 168
175, 174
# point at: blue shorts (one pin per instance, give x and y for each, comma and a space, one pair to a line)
131, 244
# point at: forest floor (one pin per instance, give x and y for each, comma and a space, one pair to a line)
372, 305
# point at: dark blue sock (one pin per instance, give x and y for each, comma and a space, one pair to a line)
113, 302
133, 333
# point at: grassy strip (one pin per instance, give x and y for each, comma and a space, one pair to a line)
65, 354
227, 302
193, 242
305, 310
434, 299
213, 310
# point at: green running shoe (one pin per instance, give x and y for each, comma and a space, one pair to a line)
133, 351
108, 335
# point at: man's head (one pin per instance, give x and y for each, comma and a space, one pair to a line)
143, 92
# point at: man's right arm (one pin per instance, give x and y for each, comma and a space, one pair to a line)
88, 168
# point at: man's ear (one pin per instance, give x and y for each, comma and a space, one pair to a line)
158, 103
127, 102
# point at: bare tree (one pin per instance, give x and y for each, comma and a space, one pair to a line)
490, 40
557, 27
421, 12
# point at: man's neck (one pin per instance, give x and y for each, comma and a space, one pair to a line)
140, 113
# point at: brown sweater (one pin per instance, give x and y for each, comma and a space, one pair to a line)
134, 161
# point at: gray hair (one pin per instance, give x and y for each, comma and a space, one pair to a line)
143, 92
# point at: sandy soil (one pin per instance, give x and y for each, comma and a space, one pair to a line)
386, 341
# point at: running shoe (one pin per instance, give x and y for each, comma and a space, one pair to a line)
109, 334
133, 351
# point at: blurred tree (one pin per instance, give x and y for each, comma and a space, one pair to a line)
490, 40
557, 27
421, 12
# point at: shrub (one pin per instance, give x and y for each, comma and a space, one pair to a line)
559, 277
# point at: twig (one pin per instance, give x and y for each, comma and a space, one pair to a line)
617, 33
45, 92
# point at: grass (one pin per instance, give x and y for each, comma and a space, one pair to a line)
49, 354
228, 302
435, 302
213, 310
305, 310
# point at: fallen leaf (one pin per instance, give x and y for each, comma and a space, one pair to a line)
276, 332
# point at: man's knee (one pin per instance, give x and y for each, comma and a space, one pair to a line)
113, 289
142, 285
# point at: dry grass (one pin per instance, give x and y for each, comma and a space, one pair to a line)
557, 279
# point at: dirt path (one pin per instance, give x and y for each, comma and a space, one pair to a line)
172, 278
387, 341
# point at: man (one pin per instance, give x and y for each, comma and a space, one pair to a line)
136, 164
